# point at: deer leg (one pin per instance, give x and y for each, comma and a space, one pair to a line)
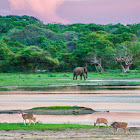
115, 130
25, 122
29, 121
124, 130
98, 125
76, 77
34, 122
129, 130
107, 125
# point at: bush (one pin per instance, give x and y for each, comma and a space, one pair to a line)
65, 75
51, 75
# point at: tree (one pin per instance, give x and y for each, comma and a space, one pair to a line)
32, 57
135, 50
6, 56
101, 52
124, 56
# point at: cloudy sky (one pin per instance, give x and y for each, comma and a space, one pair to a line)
75, 11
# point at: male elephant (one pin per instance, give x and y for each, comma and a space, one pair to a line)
80, 71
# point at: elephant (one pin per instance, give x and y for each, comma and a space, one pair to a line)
80, 71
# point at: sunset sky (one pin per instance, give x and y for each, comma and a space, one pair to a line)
75, 11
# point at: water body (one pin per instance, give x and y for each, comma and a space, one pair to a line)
68, 98
118, 80
122, 107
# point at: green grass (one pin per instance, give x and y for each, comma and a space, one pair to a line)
60, 107
39, 126
47, 79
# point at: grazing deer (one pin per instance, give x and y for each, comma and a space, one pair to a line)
28, 117
122, 125
101, 120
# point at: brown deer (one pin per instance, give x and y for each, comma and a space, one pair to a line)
122, 125
29, 117
101, 120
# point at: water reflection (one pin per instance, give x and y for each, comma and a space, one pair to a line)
66, 88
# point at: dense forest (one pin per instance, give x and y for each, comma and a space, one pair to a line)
26, 44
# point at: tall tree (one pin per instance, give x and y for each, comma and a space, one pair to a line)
124, 55
32, 57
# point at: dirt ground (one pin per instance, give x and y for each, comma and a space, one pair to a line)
137, 91
74, 134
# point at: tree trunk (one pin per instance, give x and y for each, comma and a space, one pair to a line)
36, 68
24, 68
101, 68
125, 69
96, 68
32, 69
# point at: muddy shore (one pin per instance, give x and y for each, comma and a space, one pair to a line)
137, 91
74, 134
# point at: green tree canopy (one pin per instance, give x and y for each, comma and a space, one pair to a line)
32, 57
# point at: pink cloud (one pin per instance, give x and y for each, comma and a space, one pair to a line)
101, 11
44, 9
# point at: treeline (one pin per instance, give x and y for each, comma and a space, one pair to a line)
26, 44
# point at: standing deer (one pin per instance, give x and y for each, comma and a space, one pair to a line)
29, 117
122, 125
101, 120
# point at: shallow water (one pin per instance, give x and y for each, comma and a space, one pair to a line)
73, 98
126, 112
122, 107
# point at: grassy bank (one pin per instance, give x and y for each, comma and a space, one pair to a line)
61, 107
46, 79
39, 126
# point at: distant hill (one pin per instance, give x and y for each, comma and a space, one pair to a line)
66, 46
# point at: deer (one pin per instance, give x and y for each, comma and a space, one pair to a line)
101, 120
122, 125
29, 117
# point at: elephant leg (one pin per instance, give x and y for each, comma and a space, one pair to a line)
73, 77
84, 76
81, 77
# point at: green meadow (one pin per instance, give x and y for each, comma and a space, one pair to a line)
61, 107
40, 126
46, 79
